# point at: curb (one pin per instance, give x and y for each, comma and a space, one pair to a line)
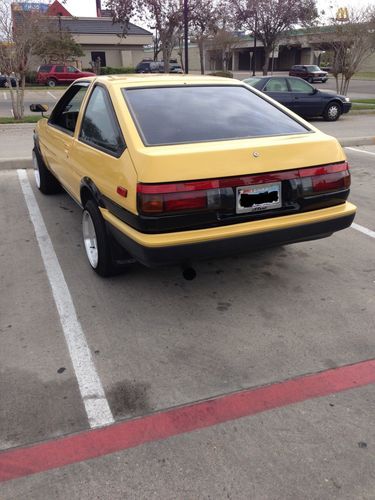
357, 141
14, 163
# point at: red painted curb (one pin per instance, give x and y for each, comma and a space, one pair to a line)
19, 462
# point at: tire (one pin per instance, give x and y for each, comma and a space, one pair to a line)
96, 240
332, 112
45, 181
51, 82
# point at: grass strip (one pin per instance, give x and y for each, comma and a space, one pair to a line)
7, 120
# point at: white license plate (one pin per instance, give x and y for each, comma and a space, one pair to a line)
258, 197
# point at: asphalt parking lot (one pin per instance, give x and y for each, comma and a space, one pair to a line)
238, 384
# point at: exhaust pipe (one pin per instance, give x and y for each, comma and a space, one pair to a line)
189, 273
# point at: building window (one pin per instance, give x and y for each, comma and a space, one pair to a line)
101, 55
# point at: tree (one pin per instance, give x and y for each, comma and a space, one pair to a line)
57, 45
165, 15
224, 42
20, 32
204, 18
351, 40
269, 19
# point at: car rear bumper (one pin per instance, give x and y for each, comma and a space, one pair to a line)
346, 107
187, 246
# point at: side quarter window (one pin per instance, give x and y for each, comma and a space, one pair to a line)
65, 114
100, 128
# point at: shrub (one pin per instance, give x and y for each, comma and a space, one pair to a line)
31, 77
224, 74
107, 70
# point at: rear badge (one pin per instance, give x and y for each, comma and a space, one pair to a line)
256, 154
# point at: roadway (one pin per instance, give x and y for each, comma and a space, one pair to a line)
359, 89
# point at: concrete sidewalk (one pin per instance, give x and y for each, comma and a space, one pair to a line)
16, 141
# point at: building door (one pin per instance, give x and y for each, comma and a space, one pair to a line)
101, 55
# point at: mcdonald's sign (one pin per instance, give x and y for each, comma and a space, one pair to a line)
342, 14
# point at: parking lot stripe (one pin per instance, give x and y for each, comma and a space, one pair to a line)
90, 386
50, 93
363, 230
361, 151
5, 96
19, 462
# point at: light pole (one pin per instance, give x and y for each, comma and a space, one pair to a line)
186, 36
255, 40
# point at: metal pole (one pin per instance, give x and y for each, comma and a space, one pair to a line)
186, 36
255, 43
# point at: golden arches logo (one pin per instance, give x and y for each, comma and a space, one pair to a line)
342, 14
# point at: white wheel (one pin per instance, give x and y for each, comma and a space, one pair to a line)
90, 239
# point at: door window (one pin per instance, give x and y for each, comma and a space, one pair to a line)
65, 114
276, 85
100, 127
71, 69
300, 86
59, 69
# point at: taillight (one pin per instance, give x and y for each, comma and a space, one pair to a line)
216, 194
325, 179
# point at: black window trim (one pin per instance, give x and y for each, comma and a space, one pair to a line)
143, 139
114, 115
62, 129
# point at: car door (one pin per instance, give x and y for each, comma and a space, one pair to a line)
71, 74
277, 88
59, 73
99, 153
305, 99
56, 144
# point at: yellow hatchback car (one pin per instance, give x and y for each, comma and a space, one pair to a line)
171, 169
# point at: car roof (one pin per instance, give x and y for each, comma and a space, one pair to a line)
156, 79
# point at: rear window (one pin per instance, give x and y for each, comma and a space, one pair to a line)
188, 114
45, 69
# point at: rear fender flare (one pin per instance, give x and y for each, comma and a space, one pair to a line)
88, 190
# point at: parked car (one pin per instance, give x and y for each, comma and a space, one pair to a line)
54, 74
222, 169
157, 67
301, 97
148, 66
311, 73
4, 81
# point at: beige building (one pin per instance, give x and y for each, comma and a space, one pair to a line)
296, 47
99, 37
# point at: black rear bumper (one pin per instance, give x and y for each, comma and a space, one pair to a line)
184, 254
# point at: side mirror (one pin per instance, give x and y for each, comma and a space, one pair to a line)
314, 91
38, 108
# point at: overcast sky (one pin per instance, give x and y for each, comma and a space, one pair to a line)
88, 7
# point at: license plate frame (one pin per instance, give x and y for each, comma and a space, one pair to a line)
259, 197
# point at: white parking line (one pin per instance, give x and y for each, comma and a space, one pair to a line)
49, 93
5, 96
90, 386
363, 230
361, 151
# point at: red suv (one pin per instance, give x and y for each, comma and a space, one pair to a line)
53, 74
310, 72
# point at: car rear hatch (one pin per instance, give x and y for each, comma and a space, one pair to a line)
204, 185
223, 154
